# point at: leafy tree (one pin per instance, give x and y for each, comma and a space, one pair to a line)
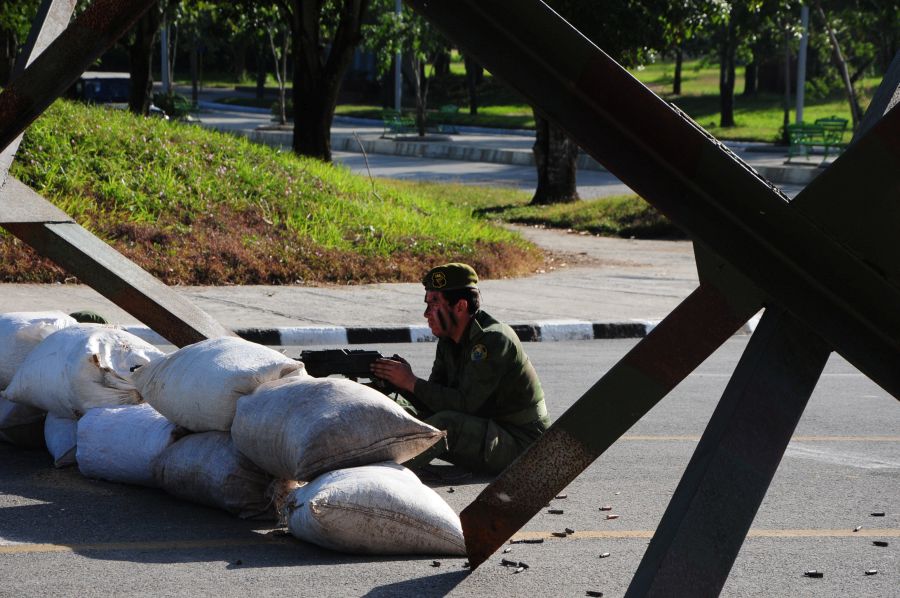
15, 22
324, 35
627, 30
409, 34
681, 21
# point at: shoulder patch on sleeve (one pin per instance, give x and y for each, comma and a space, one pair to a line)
479, 352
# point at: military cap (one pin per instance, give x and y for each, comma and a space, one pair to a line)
88, 317
450, 277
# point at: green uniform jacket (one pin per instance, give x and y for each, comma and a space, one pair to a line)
487, 374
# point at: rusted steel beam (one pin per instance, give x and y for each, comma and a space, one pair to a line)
51, 19
846, 294
63, 61
673, 349
704, 526
54, 235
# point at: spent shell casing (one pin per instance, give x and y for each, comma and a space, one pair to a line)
509, 563
878, 514
561, 496
612, 516
880, 543
555, 511
814, 573
519, 569
569, 530
528, 541
606, 508
594, 593
857, 528
871, 571
435, 563
603, 555
560, 534
507, 550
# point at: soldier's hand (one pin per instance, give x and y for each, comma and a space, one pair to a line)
396, 371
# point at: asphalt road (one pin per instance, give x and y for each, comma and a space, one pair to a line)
64, 535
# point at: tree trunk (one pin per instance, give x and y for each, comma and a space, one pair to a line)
785, 136
9, 45
239, 50
726, 75
555, 156
474, 76
140, 57
421, 95
841, 64
676, 80
195, 70
318, 71
750, 78
261, 71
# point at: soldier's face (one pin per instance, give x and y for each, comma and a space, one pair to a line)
441, 317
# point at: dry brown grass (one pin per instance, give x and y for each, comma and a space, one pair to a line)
232, 247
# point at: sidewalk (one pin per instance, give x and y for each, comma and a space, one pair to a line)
472, 144
606, 288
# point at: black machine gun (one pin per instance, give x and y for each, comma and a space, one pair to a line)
350, 363
354, 364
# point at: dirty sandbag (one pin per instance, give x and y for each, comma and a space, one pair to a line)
120, 444
198, 385
61, 435
22, 331
206, 468
374, 509
298, 428
22, 425
81, 367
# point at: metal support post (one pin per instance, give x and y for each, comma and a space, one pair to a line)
709, 515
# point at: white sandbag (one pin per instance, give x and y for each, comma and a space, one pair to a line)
375, 509
22, 425
81, 367
298, 428
20, 332
120, 444
197, 386
206, 468
61, 434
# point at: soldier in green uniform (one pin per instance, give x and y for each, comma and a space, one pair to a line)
482, 389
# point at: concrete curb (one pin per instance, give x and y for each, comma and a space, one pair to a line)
545, 331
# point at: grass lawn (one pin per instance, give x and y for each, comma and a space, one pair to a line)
195, 206
758, 118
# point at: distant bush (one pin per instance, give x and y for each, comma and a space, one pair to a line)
173, 104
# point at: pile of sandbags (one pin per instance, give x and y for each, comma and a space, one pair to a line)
237, 426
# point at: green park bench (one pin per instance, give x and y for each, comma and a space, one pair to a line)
396, 124
827, 133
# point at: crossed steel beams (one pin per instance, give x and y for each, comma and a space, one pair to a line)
815, 264
56, 55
